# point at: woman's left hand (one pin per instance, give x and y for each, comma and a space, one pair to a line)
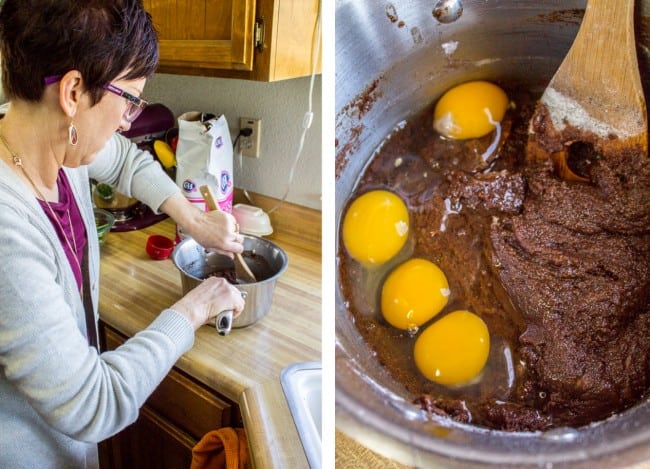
216, 231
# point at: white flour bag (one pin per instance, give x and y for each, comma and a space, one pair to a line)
204, 156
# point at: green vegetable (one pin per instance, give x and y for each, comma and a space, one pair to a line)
105, 191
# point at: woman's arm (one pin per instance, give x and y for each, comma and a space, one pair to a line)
135, 173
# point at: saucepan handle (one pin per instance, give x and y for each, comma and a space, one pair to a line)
223, 321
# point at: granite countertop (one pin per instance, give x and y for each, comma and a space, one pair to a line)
244, 366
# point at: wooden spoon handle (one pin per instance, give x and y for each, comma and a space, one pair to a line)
210, 199
211, 202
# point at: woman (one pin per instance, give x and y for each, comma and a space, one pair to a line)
74, 72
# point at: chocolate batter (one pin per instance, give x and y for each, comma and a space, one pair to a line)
559, 271
257, 263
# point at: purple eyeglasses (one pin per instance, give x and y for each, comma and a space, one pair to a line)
133, 110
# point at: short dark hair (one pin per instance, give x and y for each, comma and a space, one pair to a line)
100, 38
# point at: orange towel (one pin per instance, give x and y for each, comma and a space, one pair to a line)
223, 448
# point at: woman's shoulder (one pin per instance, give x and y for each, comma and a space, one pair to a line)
11, 187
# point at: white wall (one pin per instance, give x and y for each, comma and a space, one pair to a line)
280, 105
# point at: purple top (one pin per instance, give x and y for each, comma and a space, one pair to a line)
67, 212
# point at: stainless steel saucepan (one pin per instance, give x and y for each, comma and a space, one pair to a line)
267, 260
394, 58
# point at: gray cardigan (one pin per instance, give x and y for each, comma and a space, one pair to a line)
58, 396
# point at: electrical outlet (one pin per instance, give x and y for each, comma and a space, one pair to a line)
250, 146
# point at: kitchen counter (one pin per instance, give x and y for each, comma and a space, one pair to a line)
350, 455
244, 366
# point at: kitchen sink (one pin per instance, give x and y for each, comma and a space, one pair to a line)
302, 385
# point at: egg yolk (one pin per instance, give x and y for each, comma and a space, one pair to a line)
413, 293
375, 227
454, 349
470, 110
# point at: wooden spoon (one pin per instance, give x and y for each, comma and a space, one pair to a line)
594, 106
241, 268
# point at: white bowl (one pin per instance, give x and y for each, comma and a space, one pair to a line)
252, 220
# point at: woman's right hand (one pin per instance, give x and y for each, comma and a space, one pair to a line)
211, 297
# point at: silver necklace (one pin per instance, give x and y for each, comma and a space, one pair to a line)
17, 160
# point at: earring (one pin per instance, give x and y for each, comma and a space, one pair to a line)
72, 134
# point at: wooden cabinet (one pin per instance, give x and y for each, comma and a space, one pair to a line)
174, 418
264, 40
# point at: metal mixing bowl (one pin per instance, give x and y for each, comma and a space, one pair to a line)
393, 59
195, 264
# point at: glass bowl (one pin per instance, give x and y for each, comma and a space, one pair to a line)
104, 221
